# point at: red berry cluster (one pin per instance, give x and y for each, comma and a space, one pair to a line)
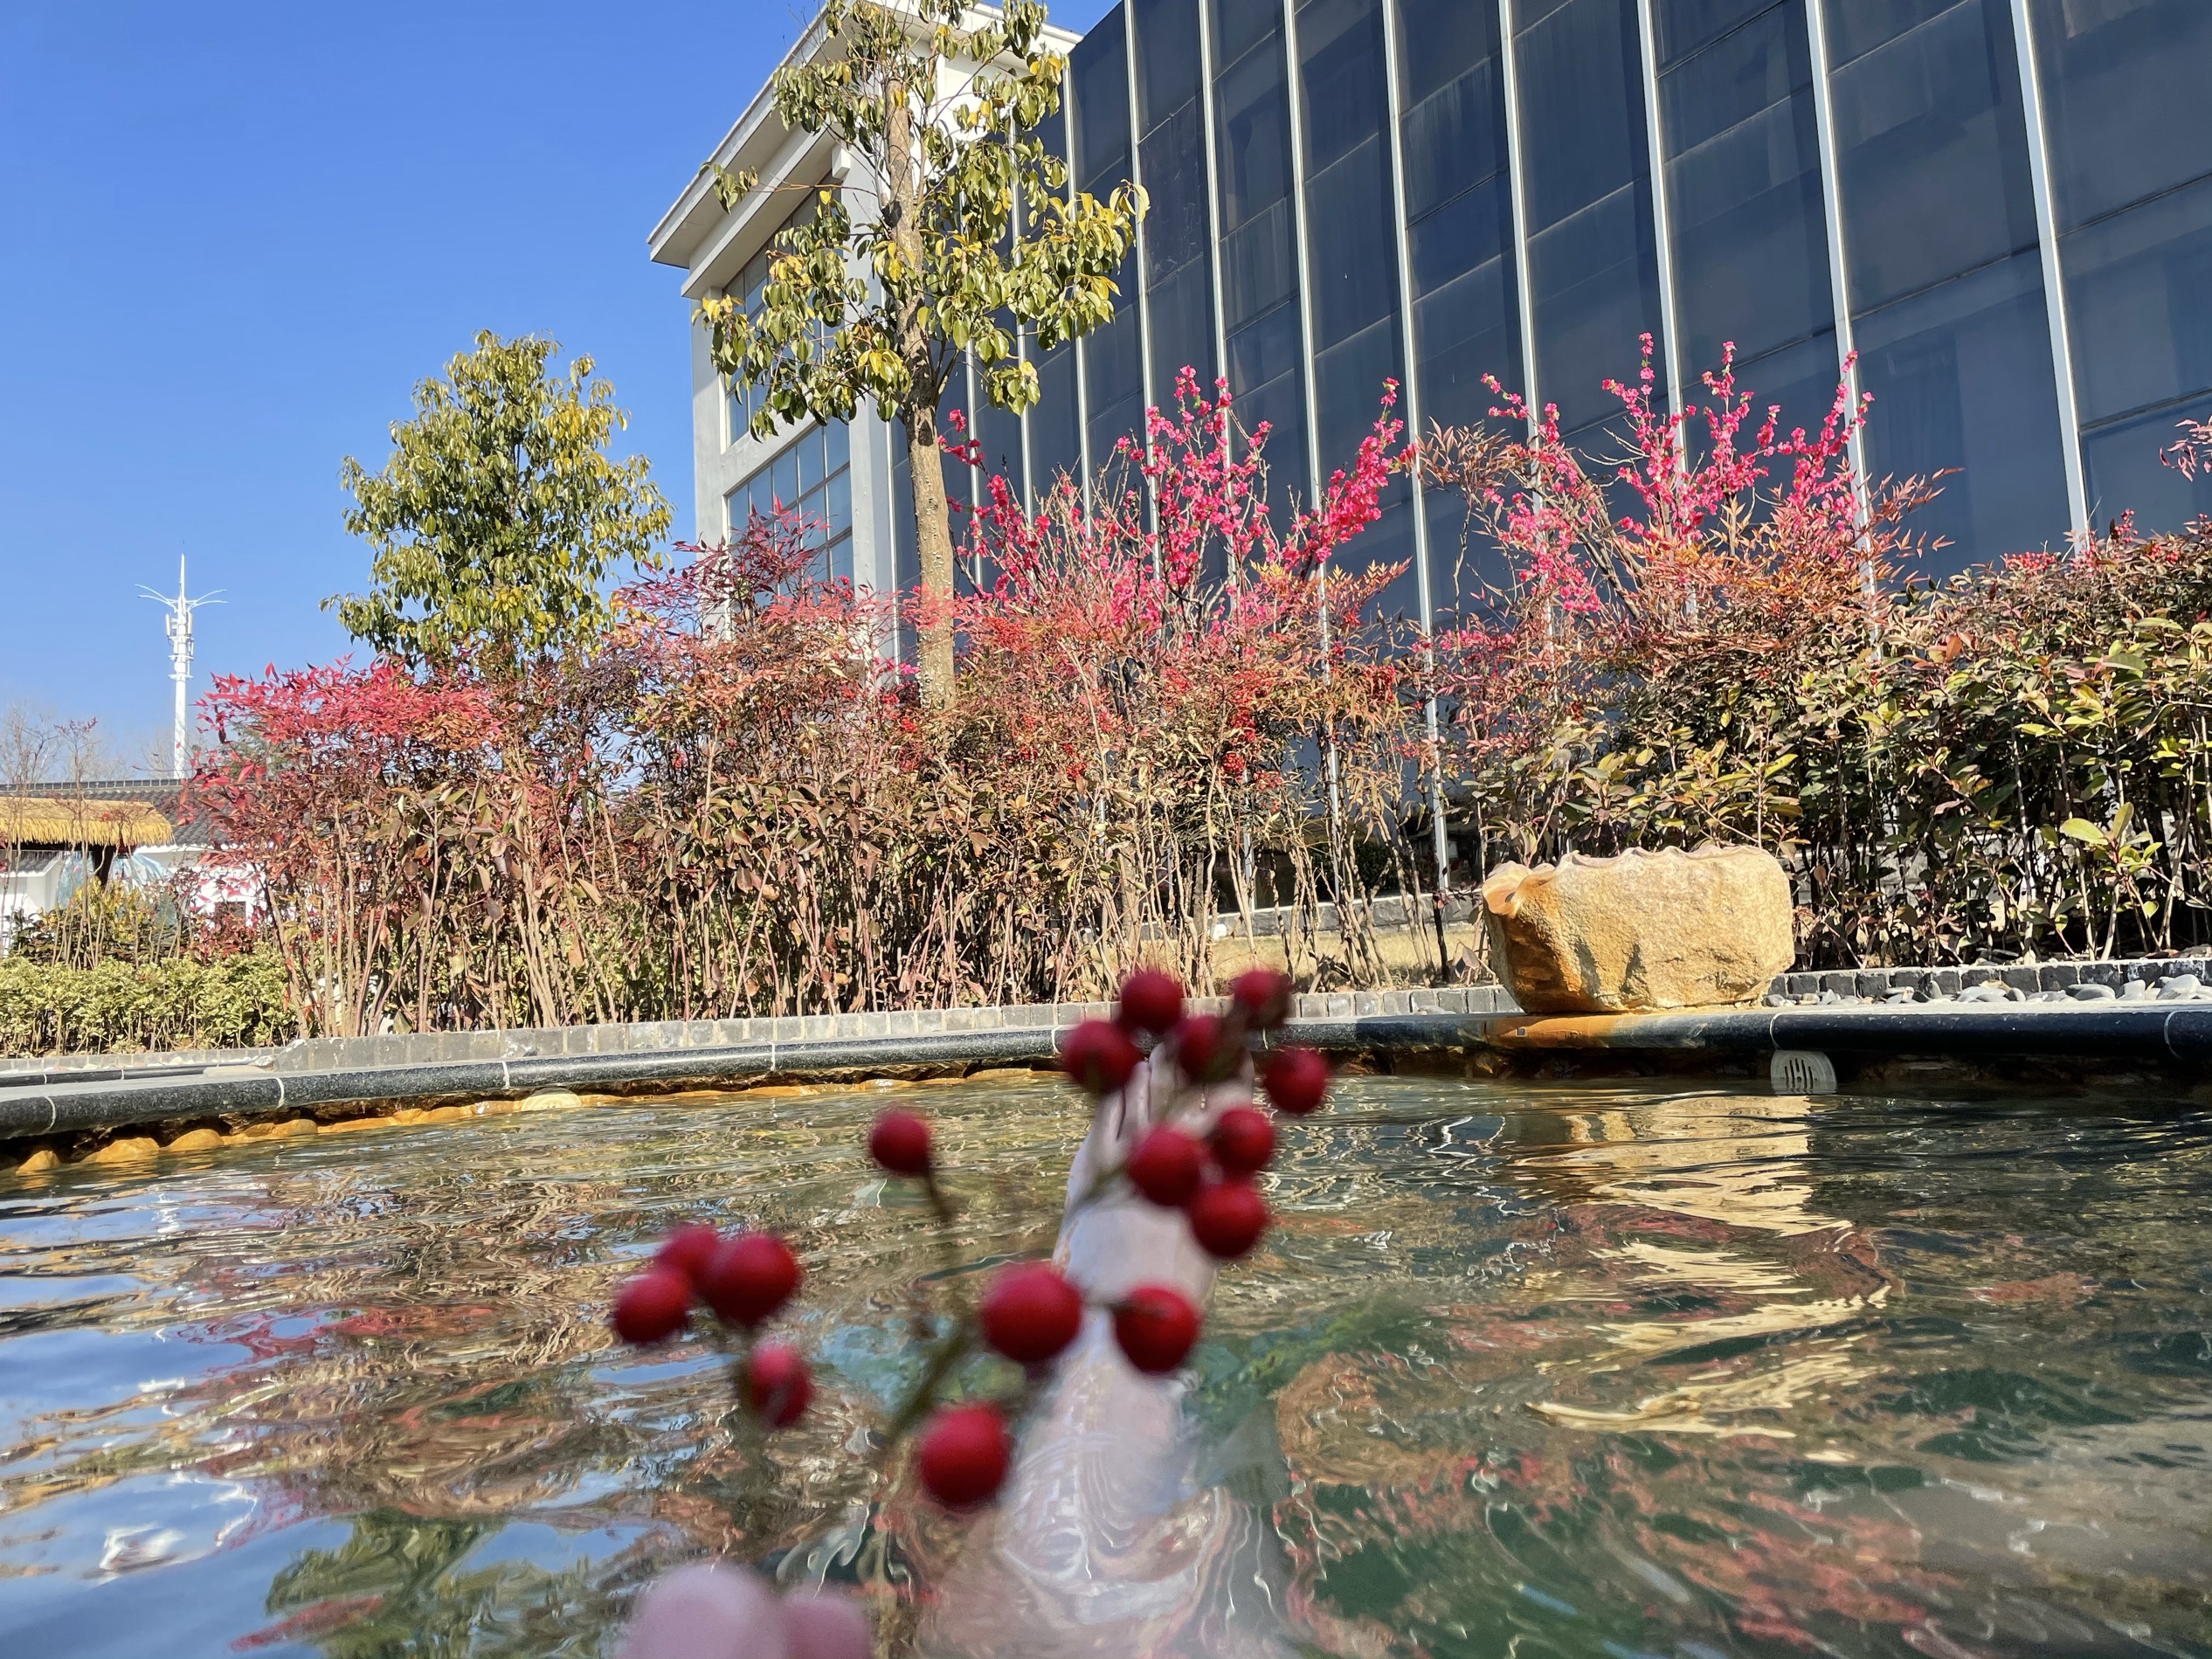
744, 1279
1029, 1312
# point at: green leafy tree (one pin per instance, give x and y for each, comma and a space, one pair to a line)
954, 232
498, 512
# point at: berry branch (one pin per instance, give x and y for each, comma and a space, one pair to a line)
1030, 1312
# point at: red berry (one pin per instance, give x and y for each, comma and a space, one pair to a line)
900, 1141
962, 1455
1228, 1217
1298, 1079
1156, 1325
1099, 1055
652, 1307
687, 1251
750, 1276
1030, 1313
1201, 1054
1166, 1166
1264, 995
1243, 1140
778, 1385
1150, 1001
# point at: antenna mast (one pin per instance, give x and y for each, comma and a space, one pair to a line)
179, 626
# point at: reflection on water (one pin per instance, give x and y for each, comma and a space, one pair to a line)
1526, 1370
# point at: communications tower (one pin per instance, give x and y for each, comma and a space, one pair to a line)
179, 629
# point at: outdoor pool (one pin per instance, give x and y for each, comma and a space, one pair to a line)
1546, 1370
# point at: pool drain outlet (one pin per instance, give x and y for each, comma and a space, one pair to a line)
1800, 1071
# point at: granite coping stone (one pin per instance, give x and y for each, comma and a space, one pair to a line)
2138, 1030
400, 1051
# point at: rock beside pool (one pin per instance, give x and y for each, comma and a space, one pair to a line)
1643, 931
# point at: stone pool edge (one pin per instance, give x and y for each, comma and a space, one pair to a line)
1466, 1023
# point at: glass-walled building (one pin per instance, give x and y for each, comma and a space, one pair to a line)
2002, 207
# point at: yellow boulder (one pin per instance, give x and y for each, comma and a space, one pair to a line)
1641, 932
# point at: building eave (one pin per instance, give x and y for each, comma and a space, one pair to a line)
754, 138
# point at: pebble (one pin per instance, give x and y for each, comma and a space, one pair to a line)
2092, 993
40, 1161
1988, 993
196, 1140
2136, 991
127, 1148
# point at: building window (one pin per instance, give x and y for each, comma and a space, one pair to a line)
743, 402
811, 477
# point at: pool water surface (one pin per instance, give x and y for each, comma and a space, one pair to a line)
1525, 1369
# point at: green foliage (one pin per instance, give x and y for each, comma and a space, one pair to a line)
232, 1002
498, 512
967, 237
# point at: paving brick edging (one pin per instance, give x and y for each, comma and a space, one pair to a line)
433, 1048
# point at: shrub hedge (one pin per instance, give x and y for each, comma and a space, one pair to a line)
232, 1002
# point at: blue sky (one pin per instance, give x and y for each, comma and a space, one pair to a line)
237, 233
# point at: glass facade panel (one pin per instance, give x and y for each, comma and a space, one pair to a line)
1098, 77
999, 435
1593, 269
2125, 472
1177, 237
1114, 367
1961, 378
1340, 68
1350, 226
1238, 26
1113, 355
2124, 87
1595, 279
1389, 540
1259, 240
1348, 389
1254, 120
1280, 407
1940, 238
2137, 287
1931, 150
1800, 380
1182, 317
1167, 57
1581, 77
1746, 217
1858, 27
1682, 26
1466, 329
1055, 423
1459, 206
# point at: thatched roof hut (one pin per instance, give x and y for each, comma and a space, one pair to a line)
45, 820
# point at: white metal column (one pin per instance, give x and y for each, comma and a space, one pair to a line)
1662, 228
1213, 198
1295, 105
1394, 110
1524, 289
1832, 210
1143, 295
1067, 105
2062, 350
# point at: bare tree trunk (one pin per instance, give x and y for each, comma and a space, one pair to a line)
933, 540
932, 525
